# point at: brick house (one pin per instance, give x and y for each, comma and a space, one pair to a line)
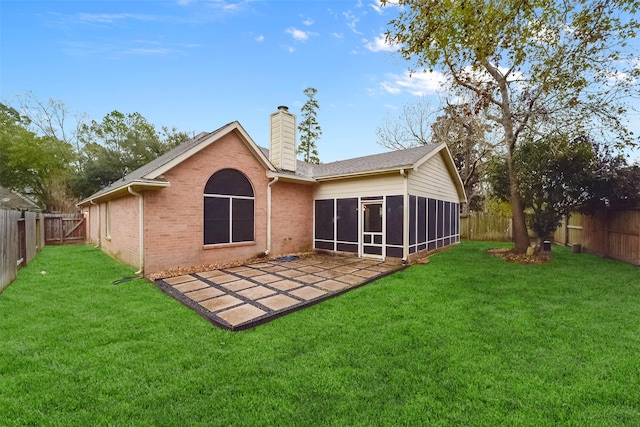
220, 198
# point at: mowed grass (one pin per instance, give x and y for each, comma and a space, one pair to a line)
466, 340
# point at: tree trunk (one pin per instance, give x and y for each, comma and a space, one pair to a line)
518, 220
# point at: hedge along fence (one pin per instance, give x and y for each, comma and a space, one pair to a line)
21, 236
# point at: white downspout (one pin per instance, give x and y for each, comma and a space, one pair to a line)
268, 250
140, 228
99, 222
405, 220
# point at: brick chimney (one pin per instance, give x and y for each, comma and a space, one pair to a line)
282, 149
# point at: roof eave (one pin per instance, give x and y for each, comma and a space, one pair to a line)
234, 126
291, 178
364, 173
137, 185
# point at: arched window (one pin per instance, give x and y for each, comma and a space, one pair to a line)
228, 208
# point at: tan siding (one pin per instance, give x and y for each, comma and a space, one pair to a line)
283, 140
433, 180
379, 185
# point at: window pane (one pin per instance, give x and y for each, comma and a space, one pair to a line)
242, 220
229, 182
216, 220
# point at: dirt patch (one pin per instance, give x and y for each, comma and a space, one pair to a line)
509, 255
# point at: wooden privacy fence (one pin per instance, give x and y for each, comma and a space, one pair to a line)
21, 236
63, 229
608, 233
485, 226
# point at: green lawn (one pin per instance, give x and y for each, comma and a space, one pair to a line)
466, 340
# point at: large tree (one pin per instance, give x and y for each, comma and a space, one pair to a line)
456, 125
116, 146
412, 127
309, 128
534, 67
554, 177
465, 133
35, 166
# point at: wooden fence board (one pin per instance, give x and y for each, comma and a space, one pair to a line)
30, 236
485, 226
61, 229
8, 246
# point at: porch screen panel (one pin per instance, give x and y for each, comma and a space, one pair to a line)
394, 219
440, 220
347, 225
447, 223
432, 206
347, 220
413, 214
422, 223
394, 226
324, 230
324, 219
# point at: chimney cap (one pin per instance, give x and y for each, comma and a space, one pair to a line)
283, 108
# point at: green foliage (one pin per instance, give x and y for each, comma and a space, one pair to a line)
535, 68
44, 155
30, 164
118, 145
559, 175
467, 340
309, 128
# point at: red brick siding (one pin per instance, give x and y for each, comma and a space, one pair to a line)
174, 216
291, 218
123, 243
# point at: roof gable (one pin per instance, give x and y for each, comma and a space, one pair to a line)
150, 175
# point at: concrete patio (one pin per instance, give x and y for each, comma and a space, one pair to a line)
242, 297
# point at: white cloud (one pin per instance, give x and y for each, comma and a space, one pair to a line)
337, 35
419, 84
110, 18
379, 44
352, 20
297, 34
308, 22
259, 38
377, 6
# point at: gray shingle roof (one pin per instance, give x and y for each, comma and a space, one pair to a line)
375, 162
12, 200
372, 163
139, 174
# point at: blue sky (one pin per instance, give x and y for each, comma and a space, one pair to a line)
198, 65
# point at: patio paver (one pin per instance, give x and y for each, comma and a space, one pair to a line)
245, 296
